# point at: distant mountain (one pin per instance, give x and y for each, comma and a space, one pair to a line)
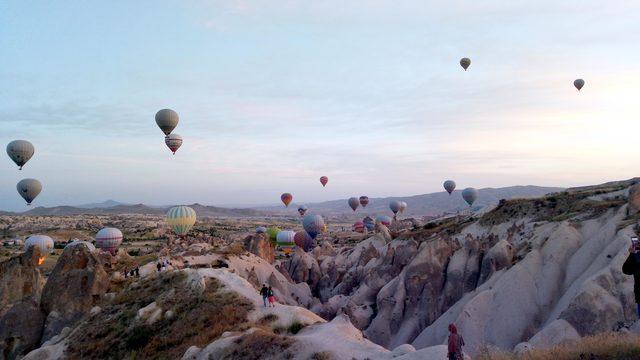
102, 205
201, 210
424, 205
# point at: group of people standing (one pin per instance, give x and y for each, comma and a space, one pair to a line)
162, 264
131, 273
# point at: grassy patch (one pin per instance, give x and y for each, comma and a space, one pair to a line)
609, 346
323, 355
199, 318
267, 319
259, 345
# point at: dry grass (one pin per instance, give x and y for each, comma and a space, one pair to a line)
259, 345
199, 319
235, 248
609, 346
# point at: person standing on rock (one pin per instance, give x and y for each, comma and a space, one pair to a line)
272, 298
159, 266
265, 294
632, 267
455, 344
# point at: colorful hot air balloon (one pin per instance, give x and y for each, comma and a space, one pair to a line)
272, 232
109, 239
286, 199
449, 186
578, 83
77, 242
369, 223
167, 120
313, 224
364, 201
324, 180
284, 241
302, 209
173, 142
465, 62
470, 195
20, 151
181, 219
42, 242
358, 226
403, 207
353, 203
261, 230
29, 189
384, 220
395, 206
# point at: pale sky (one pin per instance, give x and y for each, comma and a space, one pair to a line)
274, 94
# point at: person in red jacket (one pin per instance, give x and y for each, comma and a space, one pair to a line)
455, 344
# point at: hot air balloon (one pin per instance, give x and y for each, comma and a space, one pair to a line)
109, 239
302, 209
369, 223
465, 62
353, 203
20, 151
470, 195
364, 201
313, 224
42, 242
395, 206
261, 230
578, 83
167, 120
358, 226
403, 207
384, 220
286, 198
284, 241
449, 185
324, 180
173, 141
29, 189
304, 241
272, 232
181, 219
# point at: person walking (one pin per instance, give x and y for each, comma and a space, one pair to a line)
272, 298
455, 344
137, 271
631, 266
159, 266
265, 294
126, 273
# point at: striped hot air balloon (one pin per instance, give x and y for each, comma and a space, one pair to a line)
109, 239
324, 180
313, 224
167, 120
304, 241
285, 241
173, 142
42, 242
181, 219
449, 185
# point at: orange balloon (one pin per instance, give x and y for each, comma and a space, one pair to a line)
286, 198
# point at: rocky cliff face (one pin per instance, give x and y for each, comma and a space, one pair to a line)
258, 244
515, 274
75, 285
20, 278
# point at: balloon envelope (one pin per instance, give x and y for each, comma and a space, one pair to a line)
313, 224
395, 206
465, 62
261, 230
470, 195
29, 189
358, 226
272, 232
173, 142
353, 203
364, 200
578, 83
302, 209
369, 223
167, 120
42, 242
20, 151
324, 180
403, 207
286, 199
76, 242
449, 186
109, 239
181, 219
384, 219
285, 241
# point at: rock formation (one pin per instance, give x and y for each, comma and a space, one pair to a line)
258, 244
